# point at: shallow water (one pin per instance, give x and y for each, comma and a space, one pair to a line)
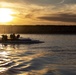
56, 56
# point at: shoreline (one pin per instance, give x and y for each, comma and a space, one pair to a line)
38, 29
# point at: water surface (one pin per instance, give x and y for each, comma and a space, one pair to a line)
56, 56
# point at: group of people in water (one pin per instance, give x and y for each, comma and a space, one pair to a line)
12, 37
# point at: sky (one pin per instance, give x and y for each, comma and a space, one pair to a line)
41, 12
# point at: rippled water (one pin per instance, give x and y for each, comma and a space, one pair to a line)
57, 56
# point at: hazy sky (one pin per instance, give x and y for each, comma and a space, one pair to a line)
42, 11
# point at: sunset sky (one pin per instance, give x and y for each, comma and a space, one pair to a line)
38, 12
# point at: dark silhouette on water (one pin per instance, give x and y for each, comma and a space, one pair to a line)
4, 37
18, 36
14, 37
17, 40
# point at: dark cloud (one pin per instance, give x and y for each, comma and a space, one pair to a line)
70, 1
41, 2
48, 2
60, 17
37, 2
68, 15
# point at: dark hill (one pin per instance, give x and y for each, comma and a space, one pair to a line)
38, 29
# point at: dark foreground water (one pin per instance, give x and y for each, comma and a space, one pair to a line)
57, 56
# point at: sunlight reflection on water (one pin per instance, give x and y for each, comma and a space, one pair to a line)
15, 59
57, 56
4, 60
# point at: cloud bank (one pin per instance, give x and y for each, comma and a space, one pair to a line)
42, 11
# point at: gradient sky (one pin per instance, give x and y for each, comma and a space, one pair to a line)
38, 12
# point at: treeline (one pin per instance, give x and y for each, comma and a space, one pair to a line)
38, 29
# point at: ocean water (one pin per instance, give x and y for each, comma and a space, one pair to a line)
56, 56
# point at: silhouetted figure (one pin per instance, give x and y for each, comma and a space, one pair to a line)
18, 36
12, 36
4, 38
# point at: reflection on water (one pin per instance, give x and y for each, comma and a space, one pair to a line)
17, 60
50, 58
5, 59
14, 60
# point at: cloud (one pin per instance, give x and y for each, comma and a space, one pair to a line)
38, 10
32, 13
37, 13
60, 17
36, 2
48, 2
70, 1
43, 2
14, 1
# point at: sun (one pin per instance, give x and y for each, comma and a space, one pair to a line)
6, 15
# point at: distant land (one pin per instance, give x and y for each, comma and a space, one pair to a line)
38, 29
